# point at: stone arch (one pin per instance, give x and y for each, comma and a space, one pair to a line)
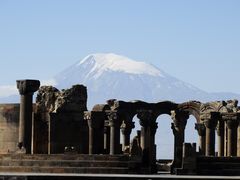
193, 107
217, 106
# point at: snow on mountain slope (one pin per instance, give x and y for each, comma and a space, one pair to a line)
105, 62
113, 76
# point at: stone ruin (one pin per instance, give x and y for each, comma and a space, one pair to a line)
59, 123
58, 120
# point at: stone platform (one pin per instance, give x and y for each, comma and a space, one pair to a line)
227, 166
69, 163
56, 176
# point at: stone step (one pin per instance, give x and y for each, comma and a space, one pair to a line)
65, 157
36, 169
219, 165
222, 172
210, 159
66, 163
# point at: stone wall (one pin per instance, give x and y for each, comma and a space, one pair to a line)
9, 122
58, 120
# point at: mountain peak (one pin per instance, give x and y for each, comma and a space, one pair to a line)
113, 62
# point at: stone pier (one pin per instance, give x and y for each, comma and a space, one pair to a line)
178, 127
220, 135
210, 122
114, 133
201, 129
96, 131
232, 121
26, 89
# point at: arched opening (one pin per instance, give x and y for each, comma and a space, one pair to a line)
164, 140
191, 134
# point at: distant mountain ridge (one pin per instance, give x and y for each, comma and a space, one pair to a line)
113, 76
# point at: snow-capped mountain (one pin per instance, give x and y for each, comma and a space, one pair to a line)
113, 76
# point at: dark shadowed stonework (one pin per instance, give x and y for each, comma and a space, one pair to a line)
58, 120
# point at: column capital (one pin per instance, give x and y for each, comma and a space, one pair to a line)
232, 119
126, 127
231, 123
27, 86
179, 119
230, 116
201, 129
145, 117
210, 119
95, 119
113, 118
210, 123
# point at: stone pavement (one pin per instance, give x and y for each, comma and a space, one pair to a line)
41, 176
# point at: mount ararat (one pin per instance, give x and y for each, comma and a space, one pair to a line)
111, 76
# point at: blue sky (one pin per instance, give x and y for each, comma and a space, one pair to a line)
197, 41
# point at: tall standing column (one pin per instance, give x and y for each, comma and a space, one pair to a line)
26, 89
152, 146
106, 142
178, 126
232, 122
149, 126
126, 129
238, 141
210, 122
96, 131
114, 133
201, 129
143, 117
220, 134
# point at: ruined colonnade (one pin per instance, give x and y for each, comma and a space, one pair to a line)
105, 124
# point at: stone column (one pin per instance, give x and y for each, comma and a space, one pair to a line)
238, 141
114, 132
220, 134
144, 122
126, 129
26, 89
201, 129
149, 126
210, 122
178, 126
87, 117
96, 133
106, 138
232, 122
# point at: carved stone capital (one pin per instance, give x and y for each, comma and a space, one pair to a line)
230, 116
179, 120
144, 117
210, 123
113, 118
94, 119
201, 129
231, 124
126, 127
27, 86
